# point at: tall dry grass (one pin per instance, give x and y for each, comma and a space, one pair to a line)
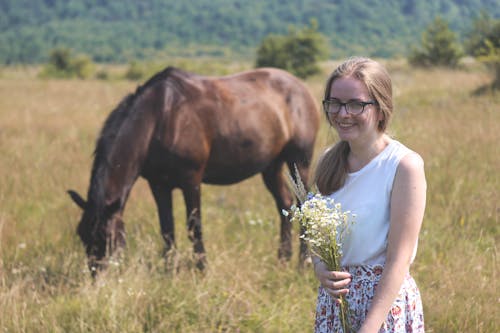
47, 135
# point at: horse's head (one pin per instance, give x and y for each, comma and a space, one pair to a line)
100, 229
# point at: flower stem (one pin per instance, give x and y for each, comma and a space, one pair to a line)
344, 315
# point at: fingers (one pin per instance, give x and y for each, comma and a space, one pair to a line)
337, 293
340, 275
322, 272
337, 288
335, 283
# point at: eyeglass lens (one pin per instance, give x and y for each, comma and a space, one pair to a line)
353, 107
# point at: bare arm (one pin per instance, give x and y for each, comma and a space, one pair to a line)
407, 212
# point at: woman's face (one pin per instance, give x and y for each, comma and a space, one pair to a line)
361, 128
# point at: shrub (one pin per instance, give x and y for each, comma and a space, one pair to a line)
62, 64
135, 71
492, 60
271, 52
483, 42
102, 75
439, 47
82, 67
298, 52
484, 34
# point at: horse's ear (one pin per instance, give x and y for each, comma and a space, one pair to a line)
77, 199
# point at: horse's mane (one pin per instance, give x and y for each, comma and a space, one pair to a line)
110, 131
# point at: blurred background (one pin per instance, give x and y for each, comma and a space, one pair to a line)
65, 64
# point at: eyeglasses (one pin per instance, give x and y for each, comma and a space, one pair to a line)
333, 106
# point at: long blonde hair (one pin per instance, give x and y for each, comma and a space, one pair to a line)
332, 167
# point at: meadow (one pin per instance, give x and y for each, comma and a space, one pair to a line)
48, 130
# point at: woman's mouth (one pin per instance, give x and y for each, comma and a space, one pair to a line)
345, 125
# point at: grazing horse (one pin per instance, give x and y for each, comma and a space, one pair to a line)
181, 129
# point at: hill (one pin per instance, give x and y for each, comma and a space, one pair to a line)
118, 31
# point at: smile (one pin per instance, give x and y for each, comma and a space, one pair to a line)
345, 125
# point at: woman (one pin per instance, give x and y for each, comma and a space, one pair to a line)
383, 183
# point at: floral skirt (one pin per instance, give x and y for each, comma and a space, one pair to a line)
406, 314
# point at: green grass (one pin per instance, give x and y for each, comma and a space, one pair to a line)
47, 134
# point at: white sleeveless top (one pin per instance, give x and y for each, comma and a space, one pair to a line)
367, 193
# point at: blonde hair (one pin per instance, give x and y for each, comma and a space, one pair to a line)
332, 167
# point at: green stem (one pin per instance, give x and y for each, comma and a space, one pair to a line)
344, 315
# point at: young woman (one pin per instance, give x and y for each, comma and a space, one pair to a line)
383, 183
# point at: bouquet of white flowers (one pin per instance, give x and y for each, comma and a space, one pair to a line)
324, 226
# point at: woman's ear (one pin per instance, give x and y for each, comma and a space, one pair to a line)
380, 115
381, 120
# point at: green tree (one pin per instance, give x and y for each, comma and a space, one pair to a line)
482, 33
62, 64
298, 52
271, 52
135, 71
492, 60
126, 30
439, 46
60, 59
483, 42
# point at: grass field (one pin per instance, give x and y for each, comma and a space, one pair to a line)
47, 136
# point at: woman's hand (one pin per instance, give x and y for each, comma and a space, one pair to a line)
335, 283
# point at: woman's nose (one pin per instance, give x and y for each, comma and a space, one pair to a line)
343, 111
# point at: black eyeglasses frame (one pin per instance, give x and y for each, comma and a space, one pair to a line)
345, 105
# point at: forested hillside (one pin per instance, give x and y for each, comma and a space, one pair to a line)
117, 31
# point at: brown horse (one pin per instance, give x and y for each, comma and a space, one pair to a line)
179, 130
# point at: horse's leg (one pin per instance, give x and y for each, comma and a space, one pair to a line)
276, 184
192, 199
163, 198
302, 168
115, 234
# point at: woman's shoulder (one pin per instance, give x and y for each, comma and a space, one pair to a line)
411, 167
404, 154
411, 161
407, 156
404, 160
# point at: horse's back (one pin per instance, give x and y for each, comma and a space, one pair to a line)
276, 91
234, 126
283, 97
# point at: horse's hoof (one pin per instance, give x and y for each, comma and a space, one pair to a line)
201, 261
284, 255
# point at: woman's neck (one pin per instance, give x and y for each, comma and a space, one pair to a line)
360, 155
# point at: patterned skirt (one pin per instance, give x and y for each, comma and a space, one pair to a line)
406, 314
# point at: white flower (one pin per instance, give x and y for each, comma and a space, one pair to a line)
325, 226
